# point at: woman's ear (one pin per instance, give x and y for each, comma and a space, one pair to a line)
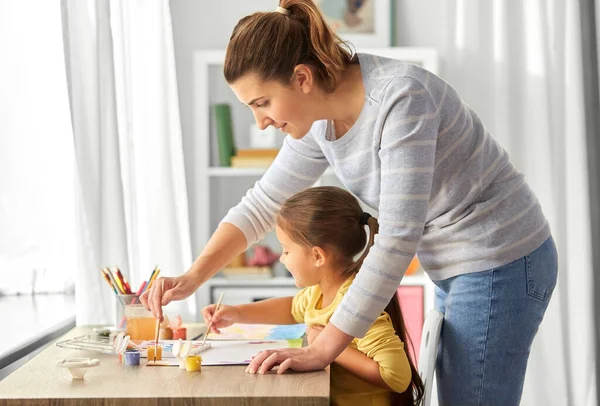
304, 78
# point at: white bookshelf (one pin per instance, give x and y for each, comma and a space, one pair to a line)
219, 188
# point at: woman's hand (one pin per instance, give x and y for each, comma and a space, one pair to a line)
224, 317
299, 359
312, 333
177, 288
327, 345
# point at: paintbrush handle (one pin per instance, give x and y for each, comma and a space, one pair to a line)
162, 288
211, 322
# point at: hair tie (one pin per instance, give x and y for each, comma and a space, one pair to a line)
364, 218
283, 11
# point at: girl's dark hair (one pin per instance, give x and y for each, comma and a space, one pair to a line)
271, 44
330, 217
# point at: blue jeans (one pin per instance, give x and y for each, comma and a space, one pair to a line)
490, 320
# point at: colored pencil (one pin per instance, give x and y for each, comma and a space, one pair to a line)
154, 276
114, 281
107, 279
123, 281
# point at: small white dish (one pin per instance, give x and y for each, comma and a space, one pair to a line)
78, 366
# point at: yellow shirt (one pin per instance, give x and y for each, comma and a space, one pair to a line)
380, 344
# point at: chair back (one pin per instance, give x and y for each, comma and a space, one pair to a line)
430, 340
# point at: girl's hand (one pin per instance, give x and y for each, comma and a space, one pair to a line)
224, 317
312, 333
177, 288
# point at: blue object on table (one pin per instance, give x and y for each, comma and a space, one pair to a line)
132, 358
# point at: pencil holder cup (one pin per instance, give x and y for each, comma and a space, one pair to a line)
122, 301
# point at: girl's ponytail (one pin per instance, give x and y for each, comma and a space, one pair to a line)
366, 219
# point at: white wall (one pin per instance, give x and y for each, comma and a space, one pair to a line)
418, 22
197, 26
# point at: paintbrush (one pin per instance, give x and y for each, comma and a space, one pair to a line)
211, 320
162, 290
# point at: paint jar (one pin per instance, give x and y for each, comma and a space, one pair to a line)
157, 350
132, 358
180, 332
193, 363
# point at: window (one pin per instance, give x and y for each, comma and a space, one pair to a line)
37, 199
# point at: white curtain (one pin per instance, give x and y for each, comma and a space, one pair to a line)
131, 184
518, 63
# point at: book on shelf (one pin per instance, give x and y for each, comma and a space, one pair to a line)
224, 128
247, 272
251, 162
257, 153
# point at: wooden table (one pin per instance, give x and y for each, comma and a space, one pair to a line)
42, 382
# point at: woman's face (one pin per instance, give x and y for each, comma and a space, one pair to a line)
273, 104
298, 260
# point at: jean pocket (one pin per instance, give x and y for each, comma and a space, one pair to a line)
542, 268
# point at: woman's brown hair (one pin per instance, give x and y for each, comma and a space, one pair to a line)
331, 218
271, 44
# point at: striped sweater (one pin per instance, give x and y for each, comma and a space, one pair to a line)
443, 187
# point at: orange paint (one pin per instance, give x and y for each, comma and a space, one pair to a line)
151, 351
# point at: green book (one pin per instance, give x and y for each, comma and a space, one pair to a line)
224, 128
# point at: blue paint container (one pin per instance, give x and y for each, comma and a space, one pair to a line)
132, 358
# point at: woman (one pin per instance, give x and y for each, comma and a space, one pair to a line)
403, 141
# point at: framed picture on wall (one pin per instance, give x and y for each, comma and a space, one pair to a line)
364, 23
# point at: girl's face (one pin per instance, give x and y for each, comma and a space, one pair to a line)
273, 104
299, 260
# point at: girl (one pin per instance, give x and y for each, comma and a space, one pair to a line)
321, 230
402, 140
